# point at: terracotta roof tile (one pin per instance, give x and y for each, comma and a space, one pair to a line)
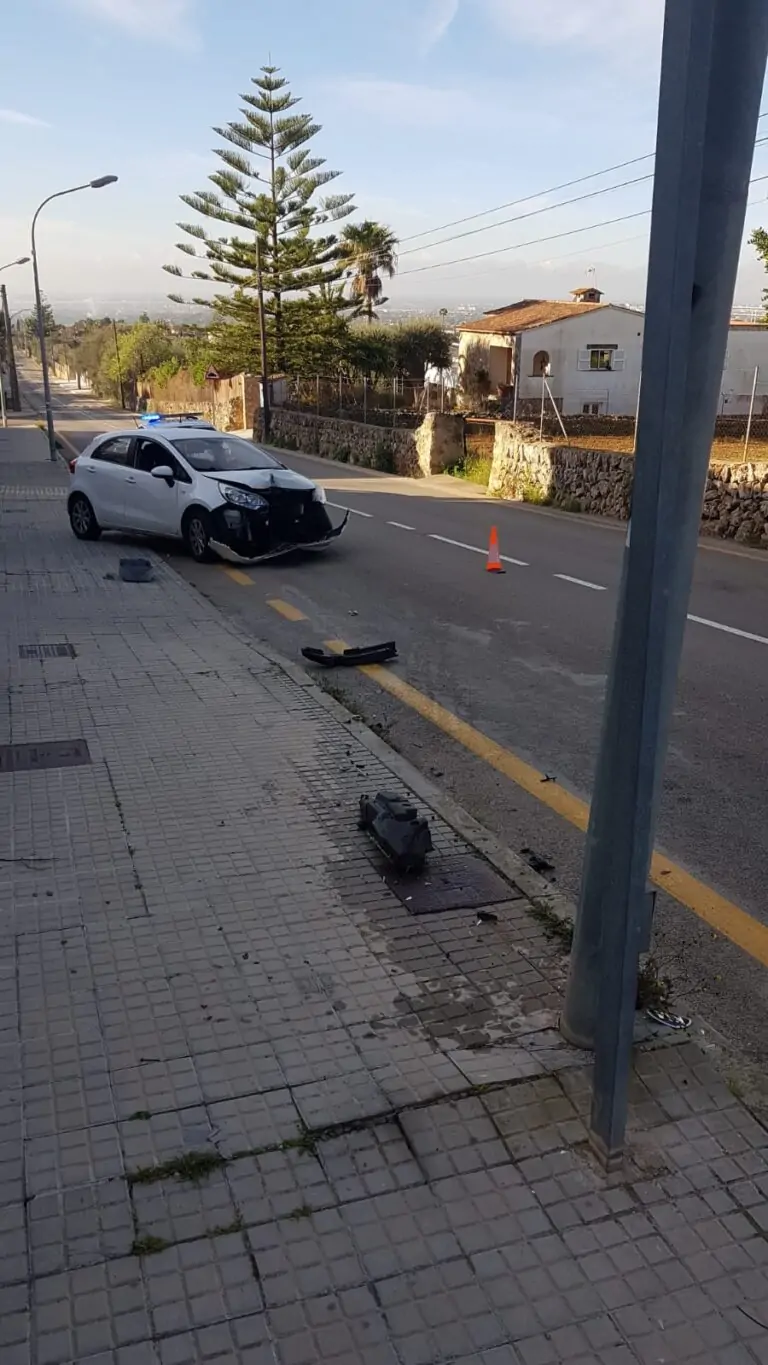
518, 317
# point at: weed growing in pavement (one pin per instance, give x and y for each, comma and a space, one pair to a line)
224, 1229
139, 1114
654, 992
554, 926
568, 504
193, 1166
531, 492
148, 1245
303, 1211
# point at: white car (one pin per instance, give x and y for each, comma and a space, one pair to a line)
218, 493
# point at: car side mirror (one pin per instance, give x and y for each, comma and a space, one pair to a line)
163, 471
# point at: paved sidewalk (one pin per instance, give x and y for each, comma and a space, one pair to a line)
255, 1110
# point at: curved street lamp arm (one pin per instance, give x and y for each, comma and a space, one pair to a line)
58, 195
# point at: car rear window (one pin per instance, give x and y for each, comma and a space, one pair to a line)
223, 454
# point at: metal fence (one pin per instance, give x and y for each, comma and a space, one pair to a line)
377, 402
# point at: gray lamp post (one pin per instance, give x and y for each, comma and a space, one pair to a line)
89, 185
12, 375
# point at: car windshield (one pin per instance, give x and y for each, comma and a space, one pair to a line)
215, 454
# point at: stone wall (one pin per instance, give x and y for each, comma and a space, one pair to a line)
594, 481
435, 445
600, 482
228, 403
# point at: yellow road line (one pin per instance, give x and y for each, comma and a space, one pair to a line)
728, 919
286, 609
238, 576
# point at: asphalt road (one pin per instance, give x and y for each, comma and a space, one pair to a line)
523, 657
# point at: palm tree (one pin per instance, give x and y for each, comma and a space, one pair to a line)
367, 250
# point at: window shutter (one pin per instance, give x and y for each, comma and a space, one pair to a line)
617, 360
584, 361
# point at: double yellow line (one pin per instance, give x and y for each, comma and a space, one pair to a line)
715, 910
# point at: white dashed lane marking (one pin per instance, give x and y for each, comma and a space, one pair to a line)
580, 582
564, 577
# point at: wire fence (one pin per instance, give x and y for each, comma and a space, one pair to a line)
376, 402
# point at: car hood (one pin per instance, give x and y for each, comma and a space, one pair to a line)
262, 480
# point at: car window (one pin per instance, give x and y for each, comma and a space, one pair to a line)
114, 451
149, 454
216, 454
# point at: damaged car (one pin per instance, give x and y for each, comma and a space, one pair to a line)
222, 495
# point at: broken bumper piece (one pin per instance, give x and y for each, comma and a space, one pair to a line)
352, 658
397, 829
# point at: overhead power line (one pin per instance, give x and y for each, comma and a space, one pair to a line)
532, 213
538, 194
555, 236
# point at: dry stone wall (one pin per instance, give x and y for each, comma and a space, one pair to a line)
435, 445
600, 482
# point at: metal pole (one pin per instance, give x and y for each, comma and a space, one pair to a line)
119, 369
340, 396
543, 397
3, 416
394, 403
751, 410
365, 398
442, 391
43, 352
266, 407
713, 67
12, 371
317, 394
637, 411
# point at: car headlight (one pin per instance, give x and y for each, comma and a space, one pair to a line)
318, 494
239, 497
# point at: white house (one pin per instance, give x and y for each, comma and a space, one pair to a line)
590, 354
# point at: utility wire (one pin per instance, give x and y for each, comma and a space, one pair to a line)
538, 194
556, 236
532, 213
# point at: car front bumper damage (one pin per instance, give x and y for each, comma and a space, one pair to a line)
242, 536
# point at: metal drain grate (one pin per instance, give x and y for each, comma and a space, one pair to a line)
457, 882
46, 651
54, 753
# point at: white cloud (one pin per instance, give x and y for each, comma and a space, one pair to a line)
15, 116
625, 29
416, 106
439, 16
168, 20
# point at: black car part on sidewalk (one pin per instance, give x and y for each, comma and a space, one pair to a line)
351, 658
397, 829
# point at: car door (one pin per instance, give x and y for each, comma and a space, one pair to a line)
152, 505
103, 475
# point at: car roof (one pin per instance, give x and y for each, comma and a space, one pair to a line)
166, 429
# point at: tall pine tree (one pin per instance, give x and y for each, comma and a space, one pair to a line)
268, 189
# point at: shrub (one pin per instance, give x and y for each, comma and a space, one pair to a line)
383, 459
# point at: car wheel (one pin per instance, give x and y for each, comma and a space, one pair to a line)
82, 518
197, 536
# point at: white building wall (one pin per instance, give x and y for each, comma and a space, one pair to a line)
747, 348
565, 341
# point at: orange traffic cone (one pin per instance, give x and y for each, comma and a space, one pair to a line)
494, 563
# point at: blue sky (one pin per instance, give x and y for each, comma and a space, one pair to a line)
432, 109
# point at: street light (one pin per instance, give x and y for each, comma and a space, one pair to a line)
89, 185
11, 358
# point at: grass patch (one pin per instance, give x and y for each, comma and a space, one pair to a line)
568, 504
654, 992
531, 492
473, 468
148, 1245
554, 926
193, 1166
303, 1211
139, 1114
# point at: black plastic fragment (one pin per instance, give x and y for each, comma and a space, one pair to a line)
397, 829
352, 658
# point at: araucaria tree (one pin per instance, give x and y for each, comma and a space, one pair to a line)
268, 196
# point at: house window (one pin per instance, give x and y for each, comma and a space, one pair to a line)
591, 409
600, 358
540, 364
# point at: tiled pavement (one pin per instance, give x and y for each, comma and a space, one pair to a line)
252, 1109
